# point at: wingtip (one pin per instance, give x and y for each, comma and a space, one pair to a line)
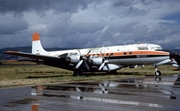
35, 36
10, 52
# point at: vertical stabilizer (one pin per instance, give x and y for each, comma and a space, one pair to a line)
36, 45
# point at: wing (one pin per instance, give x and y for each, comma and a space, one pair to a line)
59, 62
30, 55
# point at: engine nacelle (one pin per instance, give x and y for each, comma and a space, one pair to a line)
96, 60
176, 65
73, 58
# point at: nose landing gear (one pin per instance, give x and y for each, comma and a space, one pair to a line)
157, 72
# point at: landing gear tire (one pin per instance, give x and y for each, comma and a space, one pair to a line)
77, 73
113, 72
158, 73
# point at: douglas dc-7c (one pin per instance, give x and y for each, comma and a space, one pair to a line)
105, 59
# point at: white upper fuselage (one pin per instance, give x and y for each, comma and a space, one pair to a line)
110, 49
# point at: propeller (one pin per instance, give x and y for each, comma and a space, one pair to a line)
79, 64
83, 59
105, 63
162, 62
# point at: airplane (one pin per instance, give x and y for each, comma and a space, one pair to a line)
102, 59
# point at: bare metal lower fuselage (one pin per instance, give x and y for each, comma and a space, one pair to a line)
119, 63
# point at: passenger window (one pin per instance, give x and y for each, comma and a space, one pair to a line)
124, 53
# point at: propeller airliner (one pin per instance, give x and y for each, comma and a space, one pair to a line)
102, 59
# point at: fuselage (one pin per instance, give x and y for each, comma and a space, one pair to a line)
120, 56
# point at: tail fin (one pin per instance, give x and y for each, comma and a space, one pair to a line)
36, 45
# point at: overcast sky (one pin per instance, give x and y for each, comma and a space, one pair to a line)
90, 23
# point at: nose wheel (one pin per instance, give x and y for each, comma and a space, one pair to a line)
77, 72
157, 72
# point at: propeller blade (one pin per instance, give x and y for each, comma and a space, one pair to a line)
109, 56
108, 67
88, 52
102, 54
86, 65
102, 65
79, 64
79, 51
162, 62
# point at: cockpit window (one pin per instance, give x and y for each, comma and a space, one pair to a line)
73, 53
158, 48
142, 48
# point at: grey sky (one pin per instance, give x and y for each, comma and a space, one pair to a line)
90, 23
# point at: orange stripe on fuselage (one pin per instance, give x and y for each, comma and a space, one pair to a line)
35, 36
147, 52
128, 53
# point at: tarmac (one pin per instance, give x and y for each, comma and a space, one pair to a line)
137, 94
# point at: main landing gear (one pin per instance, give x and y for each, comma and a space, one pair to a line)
77, 72
112, 72
157, 72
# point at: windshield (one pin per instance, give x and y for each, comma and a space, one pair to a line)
158, 48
